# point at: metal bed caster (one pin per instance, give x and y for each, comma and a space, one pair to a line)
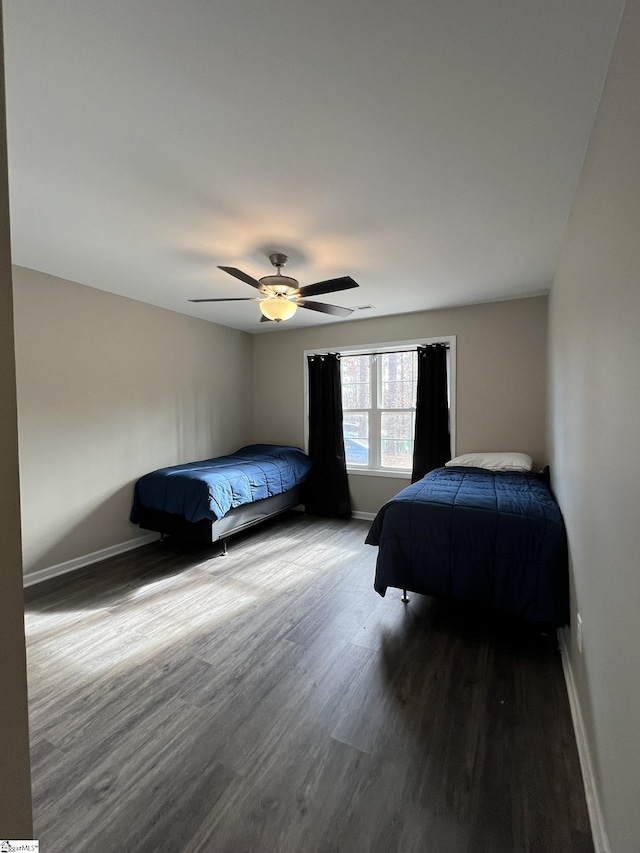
405, 597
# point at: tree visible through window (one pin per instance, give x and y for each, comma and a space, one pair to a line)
379, 402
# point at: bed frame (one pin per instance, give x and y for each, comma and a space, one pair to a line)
206, 532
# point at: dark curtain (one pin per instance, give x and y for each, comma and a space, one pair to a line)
432, 447
327, 485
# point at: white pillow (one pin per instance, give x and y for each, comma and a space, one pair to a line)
494, 461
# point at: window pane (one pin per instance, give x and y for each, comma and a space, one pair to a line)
356, 438
356, 396
396, 443
356, 425
356, 381
398, 395
355, 368
398, 380
399, 365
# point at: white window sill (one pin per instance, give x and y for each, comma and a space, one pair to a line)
371, 472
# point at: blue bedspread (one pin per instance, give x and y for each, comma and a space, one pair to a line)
493, 538
210, 488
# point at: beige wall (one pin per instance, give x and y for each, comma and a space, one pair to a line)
595, 434
501, 355
15, 785
108, 389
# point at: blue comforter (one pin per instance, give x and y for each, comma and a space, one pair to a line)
209, 489
493, 538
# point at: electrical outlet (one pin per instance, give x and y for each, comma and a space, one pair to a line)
579, 632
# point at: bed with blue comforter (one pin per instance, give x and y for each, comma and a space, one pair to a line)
492, 538
190, 500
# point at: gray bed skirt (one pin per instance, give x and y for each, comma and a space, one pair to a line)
236, 520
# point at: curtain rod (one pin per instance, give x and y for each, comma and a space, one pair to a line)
393, 351
379, 351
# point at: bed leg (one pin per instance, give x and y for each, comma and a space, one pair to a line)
224, 548
405, 597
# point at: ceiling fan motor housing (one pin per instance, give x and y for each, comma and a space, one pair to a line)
283, 284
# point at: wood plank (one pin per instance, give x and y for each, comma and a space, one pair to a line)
270, 700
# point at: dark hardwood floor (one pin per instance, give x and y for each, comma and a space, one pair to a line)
269, 701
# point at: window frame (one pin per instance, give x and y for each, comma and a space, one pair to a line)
375, 349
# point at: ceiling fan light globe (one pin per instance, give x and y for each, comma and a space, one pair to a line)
277, 308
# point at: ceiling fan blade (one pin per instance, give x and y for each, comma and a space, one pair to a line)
336, 310
243, 276
330, 286
232, 299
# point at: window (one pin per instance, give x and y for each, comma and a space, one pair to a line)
379, 387
379, 405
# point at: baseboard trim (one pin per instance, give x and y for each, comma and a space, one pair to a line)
364, 516
87, 559
600, 839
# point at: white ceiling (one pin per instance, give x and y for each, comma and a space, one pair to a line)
428, 148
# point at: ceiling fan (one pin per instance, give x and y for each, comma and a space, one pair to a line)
280, 296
